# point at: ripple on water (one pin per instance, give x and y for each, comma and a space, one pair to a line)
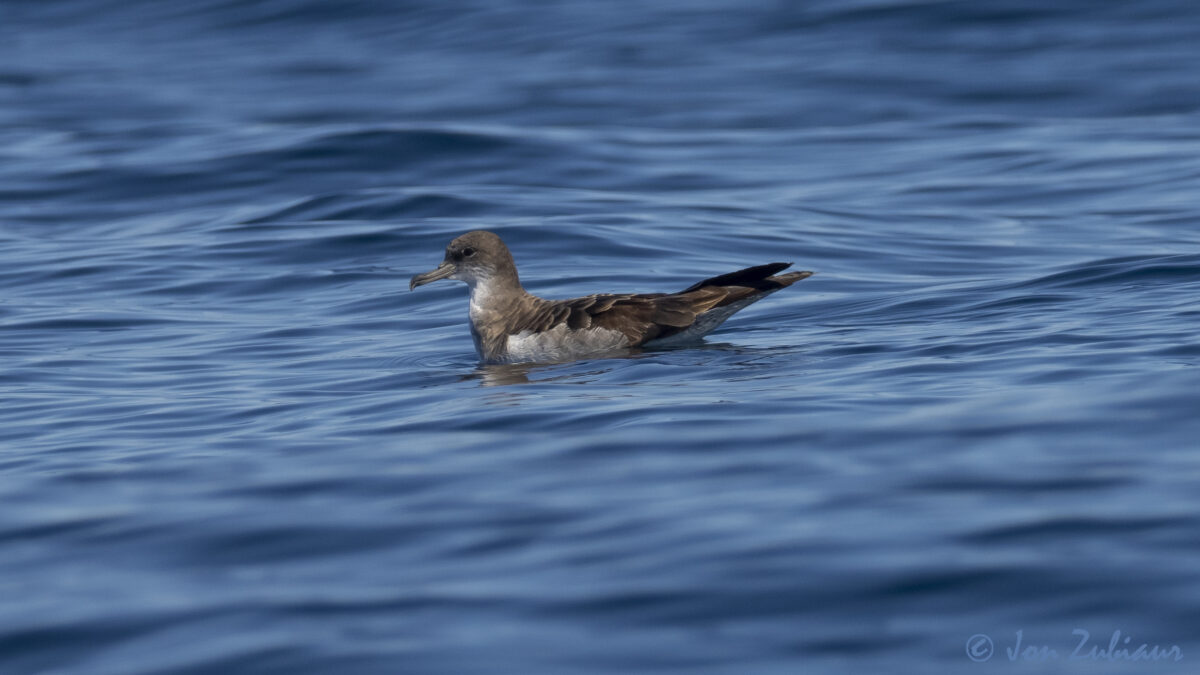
1143, 269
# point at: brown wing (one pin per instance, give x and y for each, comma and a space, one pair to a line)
650, 316
641, 318
638, 317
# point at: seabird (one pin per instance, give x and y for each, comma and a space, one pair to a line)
509, 325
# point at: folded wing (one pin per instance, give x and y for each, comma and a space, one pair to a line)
643, 318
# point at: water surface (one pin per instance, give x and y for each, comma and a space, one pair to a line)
234, 442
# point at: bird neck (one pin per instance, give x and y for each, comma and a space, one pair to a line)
495, 293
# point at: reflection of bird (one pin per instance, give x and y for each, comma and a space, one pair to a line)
509, 325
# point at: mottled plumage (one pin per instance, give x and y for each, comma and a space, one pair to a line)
510, 325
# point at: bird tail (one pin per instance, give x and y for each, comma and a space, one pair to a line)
759, 277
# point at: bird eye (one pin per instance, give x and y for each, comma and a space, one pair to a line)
468, 252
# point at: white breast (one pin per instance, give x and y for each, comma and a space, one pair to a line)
481, 295
562, 344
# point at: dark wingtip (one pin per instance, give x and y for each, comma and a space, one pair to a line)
753, 277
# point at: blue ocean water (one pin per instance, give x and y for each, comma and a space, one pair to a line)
233, 442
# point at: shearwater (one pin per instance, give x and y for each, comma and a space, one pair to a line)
509, 325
